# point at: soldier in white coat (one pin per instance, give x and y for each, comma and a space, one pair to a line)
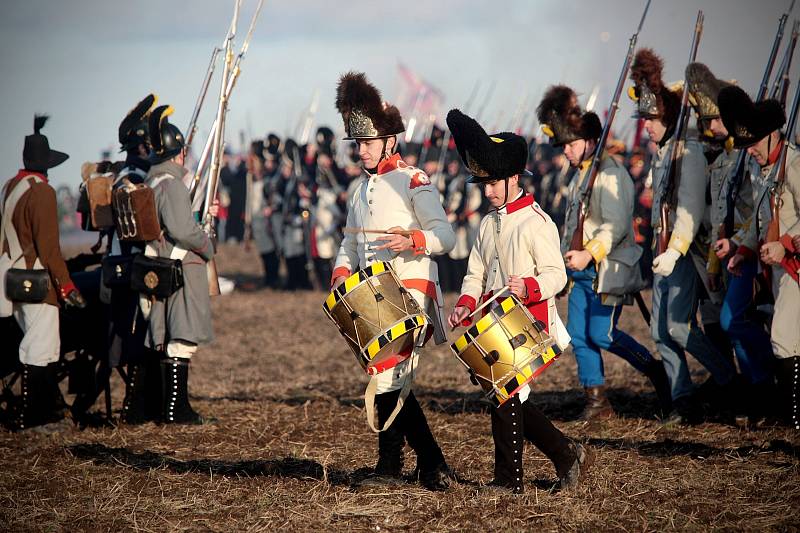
676, 283
395, 196
604, 273
749, 339
517, 245
756, 127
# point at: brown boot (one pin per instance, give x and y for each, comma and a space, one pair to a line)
597, 405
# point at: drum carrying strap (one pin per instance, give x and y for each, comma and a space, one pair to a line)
369, 399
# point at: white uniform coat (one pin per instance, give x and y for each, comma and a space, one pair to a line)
400, 195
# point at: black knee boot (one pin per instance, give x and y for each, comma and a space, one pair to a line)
721, 340
788, 374
41, 400
143, 389
570, 459
508, 435
390, 442
133, 406
175, 391
434, 474
657, 375
271, 264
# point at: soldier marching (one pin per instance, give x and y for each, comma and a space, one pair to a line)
507, 223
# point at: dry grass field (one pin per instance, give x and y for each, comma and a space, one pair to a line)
291, 440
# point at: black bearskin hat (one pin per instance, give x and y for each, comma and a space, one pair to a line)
704, 90
653, 98
36, 153
486, 157
364, 113
325, 136
166, 139
748, 122
561, 118
133, 128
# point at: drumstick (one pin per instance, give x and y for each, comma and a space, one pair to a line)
499, 293
349, 229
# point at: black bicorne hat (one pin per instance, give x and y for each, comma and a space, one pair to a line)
166, 139
133, 128
487, 157
363, 111
561, 118
36, 154
746, 121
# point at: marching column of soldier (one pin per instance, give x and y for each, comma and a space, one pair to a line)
722, 199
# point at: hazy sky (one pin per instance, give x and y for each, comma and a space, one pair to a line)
87, 62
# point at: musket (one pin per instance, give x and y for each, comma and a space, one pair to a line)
673, 170
780, 89
448, 134
219, 143
486, 99
192, 129
773, 230
310, 115
200, 179
576, 243
740, 168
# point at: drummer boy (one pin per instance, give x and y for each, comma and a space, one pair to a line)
517, 237
395, 197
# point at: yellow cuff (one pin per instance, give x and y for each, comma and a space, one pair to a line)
596, 248
679, 244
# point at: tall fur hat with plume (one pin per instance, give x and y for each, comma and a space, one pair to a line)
746, 121
133, 128
704, 90
364, 113
653, 98
487, 157
561, 118
36, 154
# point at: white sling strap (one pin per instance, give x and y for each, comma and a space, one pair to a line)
9, 233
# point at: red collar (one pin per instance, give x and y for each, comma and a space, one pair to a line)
388, 165
22, 173
526, 200
776, 152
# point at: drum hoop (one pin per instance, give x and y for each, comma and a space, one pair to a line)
419, 320
336, 296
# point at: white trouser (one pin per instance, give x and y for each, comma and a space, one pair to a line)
785, 328
395, 378
41, 343
182, 349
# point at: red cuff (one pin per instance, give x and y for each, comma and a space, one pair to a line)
791, 265
534, 293
419, 241
340, 272
64, 290
786, 241
470, 303
746, 252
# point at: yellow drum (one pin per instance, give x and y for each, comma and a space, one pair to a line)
377, 316
505, 349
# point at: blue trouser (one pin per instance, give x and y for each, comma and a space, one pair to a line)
751, 342
674, 330
593, 327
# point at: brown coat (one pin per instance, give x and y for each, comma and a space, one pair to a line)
35, 220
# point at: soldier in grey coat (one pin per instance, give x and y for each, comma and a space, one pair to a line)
182, 321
